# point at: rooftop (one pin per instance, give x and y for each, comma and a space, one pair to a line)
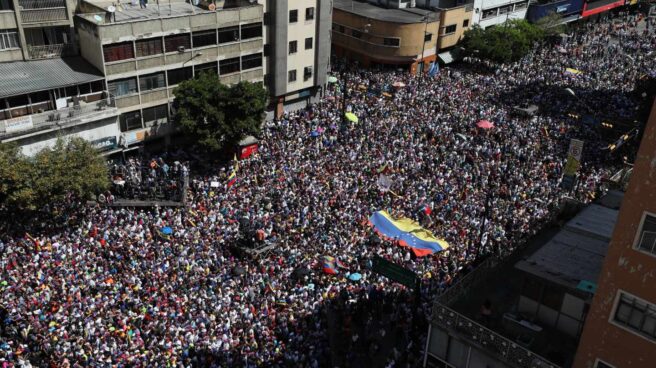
130, 11
405, 16
576, 254
22, 77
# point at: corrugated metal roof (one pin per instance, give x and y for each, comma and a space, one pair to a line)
22, 77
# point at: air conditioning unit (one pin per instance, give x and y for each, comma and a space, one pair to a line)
181, 49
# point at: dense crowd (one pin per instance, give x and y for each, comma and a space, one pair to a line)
147, 179
109, 290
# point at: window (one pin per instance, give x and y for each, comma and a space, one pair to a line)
118, 51
291, 76
552, 298
149, 47
428, 37
251, 61
450, 29
505, 9
339, 28
156, 115
647, 237
601, 364
8, 39
6, 5
309, 42
122, 87
176, 42
228, 34
490, 13
228, 66
152, 81
130, 121
176, 76
636, 315
309, 13
307, 73
251, 31
292, 47
520, 6
293, 16
205, 38
206, 68
355, 33
391, 42
465, 23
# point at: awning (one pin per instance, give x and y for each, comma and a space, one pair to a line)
446, 57
23, 77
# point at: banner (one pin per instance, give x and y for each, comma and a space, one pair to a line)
573, 163
18, 124
104, 144
248, 151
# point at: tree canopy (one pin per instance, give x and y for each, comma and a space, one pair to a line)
504, 43
217, 115
71, 168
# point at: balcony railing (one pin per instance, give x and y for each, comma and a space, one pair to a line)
35, 11
504, 348
98, 104
49, 51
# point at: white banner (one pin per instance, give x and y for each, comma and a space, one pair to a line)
18, 124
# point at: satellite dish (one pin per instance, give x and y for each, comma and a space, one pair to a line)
111, 8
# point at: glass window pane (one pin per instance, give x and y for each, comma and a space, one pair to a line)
206, 38
177, 42
251, 31
228, 34
149, 47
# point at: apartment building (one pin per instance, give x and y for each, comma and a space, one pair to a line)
46, 90
397, 36
145, 52
488, 13
36, 29
620, 330
297, 48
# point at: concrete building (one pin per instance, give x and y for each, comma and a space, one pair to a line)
489, 13
376, 36
36, 29
297, 48
620, 330
46, 90
527, 309
145, 52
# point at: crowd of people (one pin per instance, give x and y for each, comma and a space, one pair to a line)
110, 290
139, 178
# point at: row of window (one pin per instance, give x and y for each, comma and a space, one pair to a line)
6, 5
502, 10
293, 15
636, 315
293, 45
127, 86
9, 39
174, 43
387, 41
153, 115
307, 74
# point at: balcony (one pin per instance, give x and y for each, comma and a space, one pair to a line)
49, 51
37, 11
88, 108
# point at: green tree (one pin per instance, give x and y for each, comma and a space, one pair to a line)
551, 24
71, 167
217, 115
505, 43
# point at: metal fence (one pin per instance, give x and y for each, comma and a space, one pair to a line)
41, 4
504, 348
49, 51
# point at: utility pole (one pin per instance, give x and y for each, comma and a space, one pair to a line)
423, 45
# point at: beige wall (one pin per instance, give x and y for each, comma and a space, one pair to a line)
453, 16
371, 43
298, 32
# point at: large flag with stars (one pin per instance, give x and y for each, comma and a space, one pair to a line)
408, 232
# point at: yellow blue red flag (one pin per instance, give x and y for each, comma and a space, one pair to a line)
408, 232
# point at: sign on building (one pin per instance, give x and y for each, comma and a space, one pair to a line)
104, 144
573, 163
17, 124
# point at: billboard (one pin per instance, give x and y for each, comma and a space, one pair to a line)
17, 124
573, 163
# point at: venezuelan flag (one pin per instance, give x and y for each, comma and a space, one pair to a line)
408, 233
573, 71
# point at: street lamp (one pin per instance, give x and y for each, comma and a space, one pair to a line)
423, 43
